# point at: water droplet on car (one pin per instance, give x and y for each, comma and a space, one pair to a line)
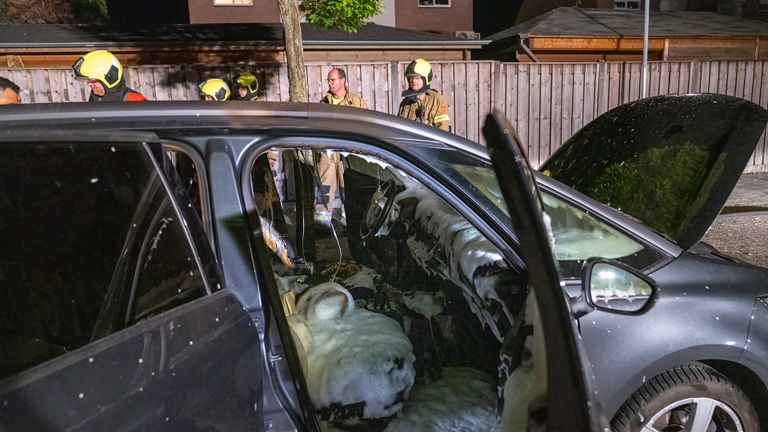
191, 342
141, 360
81, 395
717, 318
94, 180
113, 149
90, 359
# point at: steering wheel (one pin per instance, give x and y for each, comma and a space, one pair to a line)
378, 209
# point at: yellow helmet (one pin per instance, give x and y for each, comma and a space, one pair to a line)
99, 65
247, 80
215, 88
420, 67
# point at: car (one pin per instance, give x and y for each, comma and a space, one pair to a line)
168, 272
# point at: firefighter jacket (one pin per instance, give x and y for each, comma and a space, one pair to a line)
428, 108
349, 99
119, 93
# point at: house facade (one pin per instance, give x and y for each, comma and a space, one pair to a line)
438, 16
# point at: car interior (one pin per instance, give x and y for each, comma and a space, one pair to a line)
392, 297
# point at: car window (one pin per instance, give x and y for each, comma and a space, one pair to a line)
189, 175
400, 309
578, 235
66, 212
167, 275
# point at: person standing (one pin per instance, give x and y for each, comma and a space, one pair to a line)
214, 89
420, 102
329, 166
338, 91
10, 93
245, 86
104, 75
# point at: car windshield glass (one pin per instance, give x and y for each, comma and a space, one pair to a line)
578, 235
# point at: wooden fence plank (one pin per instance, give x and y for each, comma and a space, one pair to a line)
58, 81
578, 97
556, 127
472, 111
545, 112
524, 85
485, 94
665, 69
590, 89
761, 158
534, 114
567, 102
460, 98
41, 88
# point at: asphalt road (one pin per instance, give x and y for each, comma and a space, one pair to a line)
744, 236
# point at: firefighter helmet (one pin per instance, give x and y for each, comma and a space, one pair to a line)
215, 88
419, 67
247, 80
99, 65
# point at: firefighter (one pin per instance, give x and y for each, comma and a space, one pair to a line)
214, 89
104, 75
420, 102
245, 86
338, 91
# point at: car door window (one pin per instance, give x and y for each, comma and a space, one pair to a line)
67, 210
167, 273
399, 307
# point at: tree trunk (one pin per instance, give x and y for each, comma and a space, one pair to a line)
294, 50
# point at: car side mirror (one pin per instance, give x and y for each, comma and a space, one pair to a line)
617, 288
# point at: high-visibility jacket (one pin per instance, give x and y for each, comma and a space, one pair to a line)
134, 96
349, 99
428, 108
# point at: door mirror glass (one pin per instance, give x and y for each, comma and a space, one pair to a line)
613, 287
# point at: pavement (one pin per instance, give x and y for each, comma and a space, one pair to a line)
750, 191
741, 230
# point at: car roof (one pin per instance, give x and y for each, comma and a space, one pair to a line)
318, 118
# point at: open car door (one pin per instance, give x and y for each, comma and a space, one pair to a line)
558, 359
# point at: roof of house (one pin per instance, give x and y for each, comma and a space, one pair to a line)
572, 21
61, 36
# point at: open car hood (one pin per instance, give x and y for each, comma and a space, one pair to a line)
669, 161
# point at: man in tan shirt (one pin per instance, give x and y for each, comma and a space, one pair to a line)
329, 166
338, 91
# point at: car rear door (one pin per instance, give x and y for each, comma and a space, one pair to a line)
113, 312
554, 388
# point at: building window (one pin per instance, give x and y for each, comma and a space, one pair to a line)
626, 4
233, 2
434, 3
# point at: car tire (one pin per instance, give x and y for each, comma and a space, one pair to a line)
665, 403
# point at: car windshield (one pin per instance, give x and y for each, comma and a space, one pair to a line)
578, 234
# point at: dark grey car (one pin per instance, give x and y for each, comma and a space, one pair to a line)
179, 280
143, 288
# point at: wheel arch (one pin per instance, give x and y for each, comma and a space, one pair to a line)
749, 382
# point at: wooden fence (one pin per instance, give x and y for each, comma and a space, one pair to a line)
547, 102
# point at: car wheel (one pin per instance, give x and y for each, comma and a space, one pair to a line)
693, 397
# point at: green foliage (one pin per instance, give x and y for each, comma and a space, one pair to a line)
347, 15
90, 10
53, 11
672, 173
